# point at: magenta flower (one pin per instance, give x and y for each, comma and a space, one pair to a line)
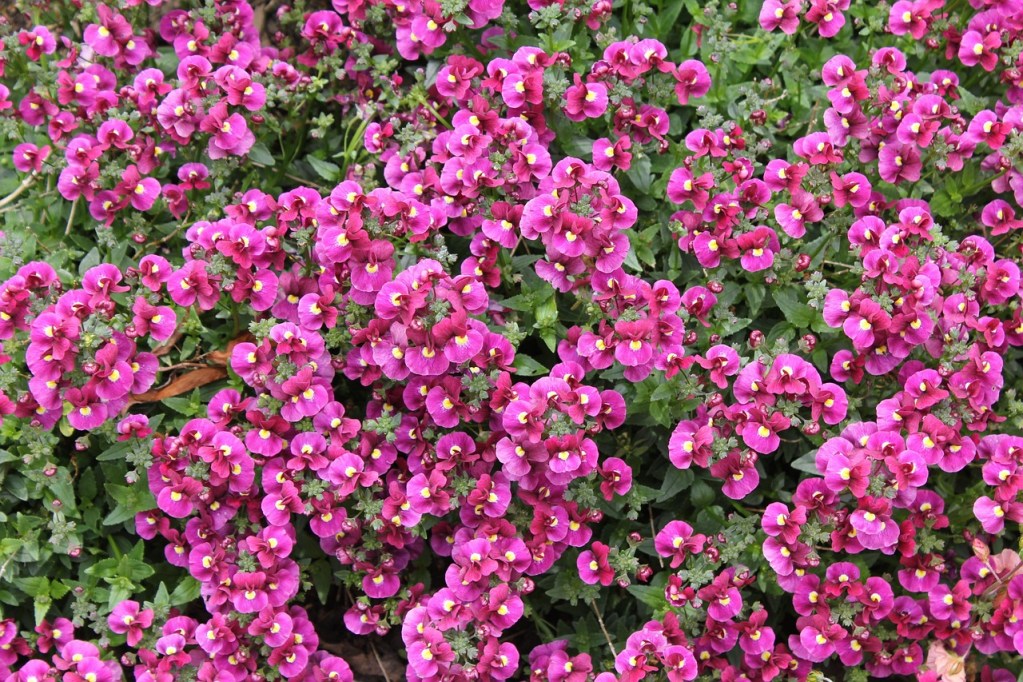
248, 593
793, 217
692, 80
722, 361
899, 163
87, 410
585, 100
690, 442
909, 17
828, 16
817, 639
129, 618
739, 474
177, 499
192, 284
975, 48
760, 432
159, 322
37, 42
29, 158
230, 134
677, 541
617, 477
594, 567
279, 506
845, 470
783, 14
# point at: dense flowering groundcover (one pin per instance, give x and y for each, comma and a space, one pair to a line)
567, 341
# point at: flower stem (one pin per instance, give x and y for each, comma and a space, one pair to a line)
71, 217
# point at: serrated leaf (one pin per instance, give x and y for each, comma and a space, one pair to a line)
34, 587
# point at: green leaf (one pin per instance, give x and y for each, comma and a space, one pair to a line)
115, 452
185, 592
322, 578
261, 155
546, 312
525, 366
180, 405
522, 303
675, 481
639, 174
134, 570
34, 587
42, 607
90, 260
130, 501
790, 301
807, 463
648, 594
325, 169
162, 599
754, 293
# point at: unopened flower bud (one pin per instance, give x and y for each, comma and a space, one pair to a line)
644, 573
758, 117
808, 342
811, 428
802, 262
756, 338
715, 338
715, 286
635, 538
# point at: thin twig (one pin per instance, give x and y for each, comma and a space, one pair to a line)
380, 663
181, 365
25, 184
603, 628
